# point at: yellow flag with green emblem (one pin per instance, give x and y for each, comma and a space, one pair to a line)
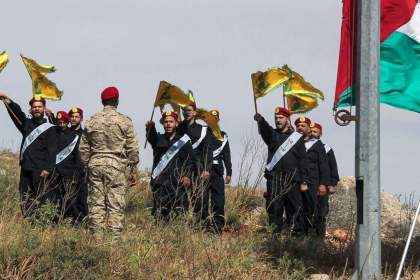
301, 103
298, 85
4, 59
211, 121
170, 94
264, 82
301, 96
41, 85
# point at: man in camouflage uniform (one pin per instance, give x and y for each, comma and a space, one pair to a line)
109, 150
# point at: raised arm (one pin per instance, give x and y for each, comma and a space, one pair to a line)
15, 112
265, 130
151, 133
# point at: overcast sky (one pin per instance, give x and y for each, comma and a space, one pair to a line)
210, 47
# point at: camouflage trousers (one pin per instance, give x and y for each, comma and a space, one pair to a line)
106, 198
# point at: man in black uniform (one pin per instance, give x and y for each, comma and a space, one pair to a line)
323, 205
37, 153
216, 190
173, 164
68, 167
285, 171
79, 208
203, 152
318, 173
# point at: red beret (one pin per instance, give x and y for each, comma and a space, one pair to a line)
282, 111
62, 116
37, 98
303, 120
110, 93
317, 125
169, 114
76, 110
215, 113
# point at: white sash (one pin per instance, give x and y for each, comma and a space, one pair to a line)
283, 149
217, 152
203, 134
327, 148
310, 143
168, 156
64, 153
33, 136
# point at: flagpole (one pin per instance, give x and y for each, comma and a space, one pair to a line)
11, 112
284, 98
367, 153
148, 129
255, 104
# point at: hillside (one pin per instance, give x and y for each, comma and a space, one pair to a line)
246, 250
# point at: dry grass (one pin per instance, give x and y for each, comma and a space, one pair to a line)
148, 250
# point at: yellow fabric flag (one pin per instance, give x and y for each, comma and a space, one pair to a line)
264, 82
301, 103
300, 94
4, 59
170, 94
41, 85
298, 85
211, 121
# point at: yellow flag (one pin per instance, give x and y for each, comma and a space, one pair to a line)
264, 82
41, 85
211, 121
170, 94
298, 85
301, 103
4, 59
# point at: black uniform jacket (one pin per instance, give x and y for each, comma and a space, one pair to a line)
293, 162
40, 155
71, 165
223, 157
317, 164
204, 152
333, 168
181, 165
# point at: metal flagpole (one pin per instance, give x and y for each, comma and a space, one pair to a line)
410, 235
368, 242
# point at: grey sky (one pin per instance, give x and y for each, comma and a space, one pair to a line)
210, 47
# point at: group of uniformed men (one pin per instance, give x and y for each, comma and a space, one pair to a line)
86, 171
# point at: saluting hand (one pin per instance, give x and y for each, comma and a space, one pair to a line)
322, 190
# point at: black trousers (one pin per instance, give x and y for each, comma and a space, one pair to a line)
169, 201
199, 199
310, 206
283, 196
215, 198
321, 217
35, 191
73, 196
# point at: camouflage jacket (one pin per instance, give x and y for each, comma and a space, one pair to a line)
109, 139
